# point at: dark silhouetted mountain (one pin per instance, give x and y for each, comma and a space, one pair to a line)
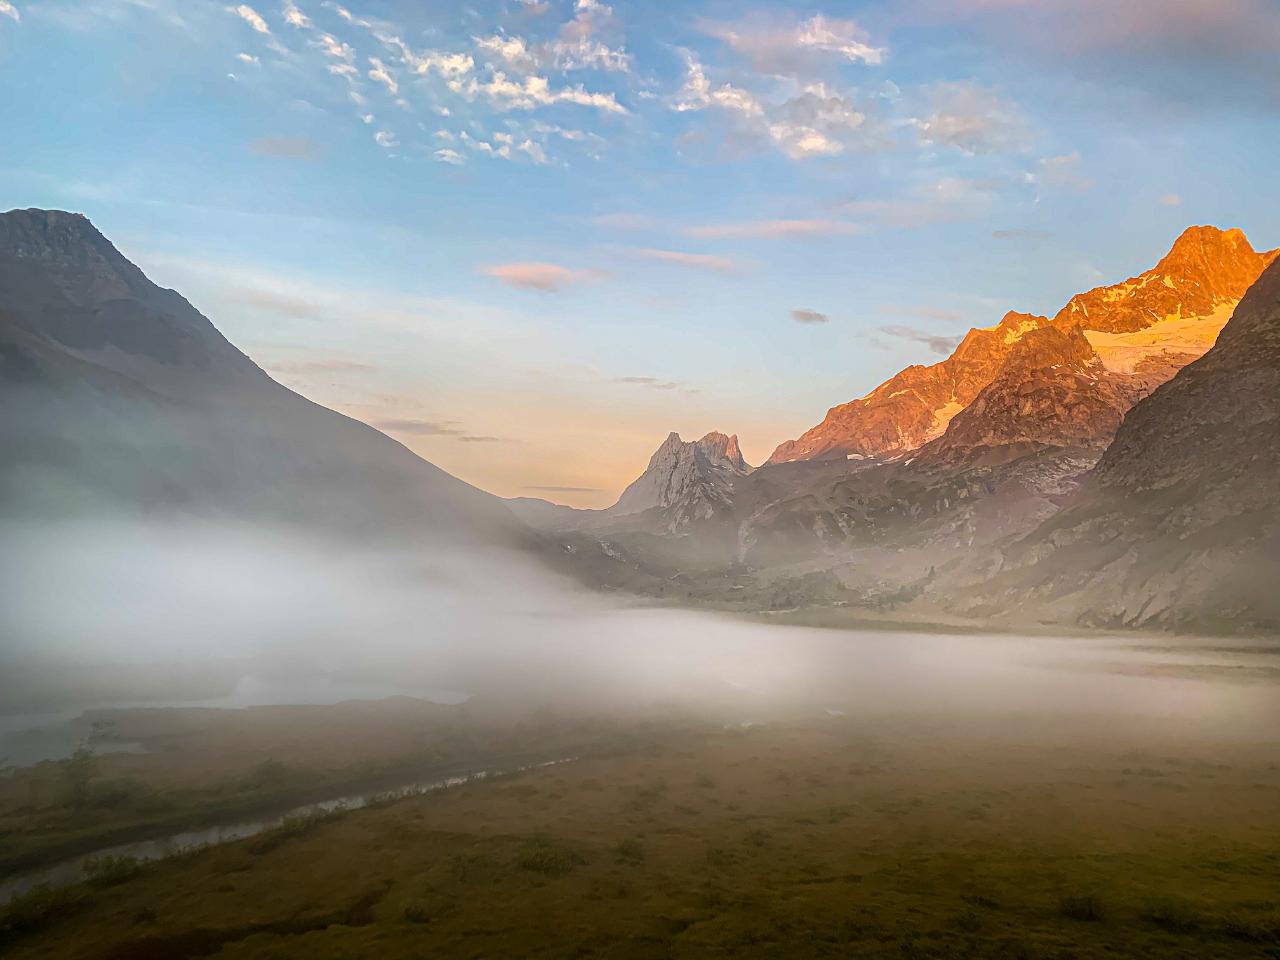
120, 395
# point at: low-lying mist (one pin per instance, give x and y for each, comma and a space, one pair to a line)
188, 610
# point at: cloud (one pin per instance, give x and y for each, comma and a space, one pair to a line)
971, 119
701, 261
505, 146
1021, 234
246, 58
1171, 200
789, 48
7, 9
513, 51
1212, 54
1063, 173
534, 91
698, 94
382, 75
421, 428
302, 368
651, 383
333, 47
295, 308
547, 277
289, 148
386, 139
815, 122
471, 439
947, 200
588, 54
774, 229
942, 345
295, 17
251, 17
808, 316
448, 155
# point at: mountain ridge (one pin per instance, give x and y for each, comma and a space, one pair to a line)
1205, 271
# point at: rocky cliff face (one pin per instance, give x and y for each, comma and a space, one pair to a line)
686, 481
1179, 524
1052, 391
1145, 329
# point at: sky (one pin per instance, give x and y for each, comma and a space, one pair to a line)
530, 238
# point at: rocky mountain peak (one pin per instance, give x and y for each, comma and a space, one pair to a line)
717, 446
88, 267
687, 478
60, 278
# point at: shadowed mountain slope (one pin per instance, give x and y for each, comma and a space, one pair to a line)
120, 395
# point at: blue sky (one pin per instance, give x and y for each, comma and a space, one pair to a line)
529, 239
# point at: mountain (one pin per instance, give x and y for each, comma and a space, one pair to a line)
1052, 391
120, 396
1144, 329
686, 482
916, 405
1179, 524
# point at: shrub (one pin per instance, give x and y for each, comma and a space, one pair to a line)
416, 911
630, 852
109, 871
545, 856
34, 909
1086, 909
1172, 915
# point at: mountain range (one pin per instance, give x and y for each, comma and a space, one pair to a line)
1111, 465
917, 498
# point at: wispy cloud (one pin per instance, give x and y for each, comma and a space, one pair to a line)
305, 367
1063, 173
817, 121
701, 261
251, 17
421, 428
939, 344
1218, 55
651, 383
775, 229
792, 47
1171, 200
7, 9
528, 93
547, 277
972, 119
271, 301
378, 71
289, 148
295, 17
808, 316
